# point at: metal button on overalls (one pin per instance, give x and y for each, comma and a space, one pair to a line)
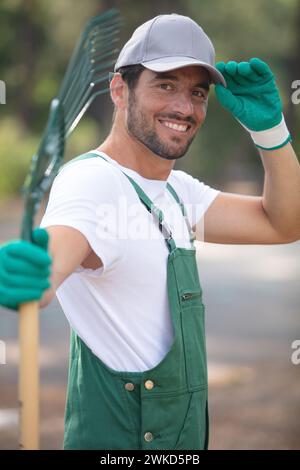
101, 414
129, 386
148, 437
149, 384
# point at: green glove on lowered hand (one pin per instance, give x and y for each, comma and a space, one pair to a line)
253, 99
24, 270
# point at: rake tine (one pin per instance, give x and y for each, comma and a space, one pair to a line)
75, 93
71, 117
91, 56
87, 36
82, 82
111, 15
108, 39
89, 52
81, 113
77, 81
77, 104
91, 29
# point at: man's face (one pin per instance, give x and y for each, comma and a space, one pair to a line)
165, 110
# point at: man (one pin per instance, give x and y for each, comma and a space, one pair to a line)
121, 224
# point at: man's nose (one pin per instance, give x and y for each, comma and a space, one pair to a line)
183, 104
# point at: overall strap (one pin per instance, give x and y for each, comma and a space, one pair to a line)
156, 212
183, 210
84, 156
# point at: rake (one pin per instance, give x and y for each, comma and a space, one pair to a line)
86, 78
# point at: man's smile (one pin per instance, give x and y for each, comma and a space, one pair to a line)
175, 126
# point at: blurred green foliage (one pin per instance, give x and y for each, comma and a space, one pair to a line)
37, 38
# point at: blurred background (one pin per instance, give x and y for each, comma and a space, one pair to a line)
251, 292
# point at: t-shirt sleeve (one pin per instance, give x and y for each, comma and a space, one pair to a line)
197, 196
84, 196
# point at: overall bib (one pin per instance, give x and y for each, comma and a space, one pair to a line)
164, 407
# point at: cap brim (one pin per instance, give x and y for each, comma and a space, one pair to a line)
173, 63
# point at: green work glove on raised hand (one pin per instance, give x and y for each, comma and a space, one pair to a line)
253, 99
24, 270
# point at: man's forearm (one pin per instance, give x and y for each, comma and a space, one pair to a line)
281, 194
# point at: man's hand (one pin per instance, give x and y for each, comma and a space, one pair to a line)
253, 99
251, 94
24, 270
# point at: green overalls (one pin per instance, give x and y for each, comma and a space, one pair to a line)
161, 408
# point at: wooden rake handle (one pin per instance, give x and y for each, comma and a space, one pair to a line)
29, 376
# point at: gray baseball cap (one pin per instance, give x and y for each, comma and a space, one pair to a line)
168, 42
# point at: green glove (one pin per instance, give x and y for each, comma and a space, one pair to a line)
253, 99
24, 270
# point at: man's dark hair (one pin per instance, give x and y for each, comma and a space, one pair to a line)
131, 74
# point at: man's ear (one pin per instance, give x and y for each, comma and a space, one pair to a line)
118, 91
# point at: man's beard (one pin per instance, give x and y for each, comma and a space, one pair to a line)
139, 128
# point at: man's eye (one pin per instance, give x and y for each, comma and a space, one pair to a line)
199, 93
165, 86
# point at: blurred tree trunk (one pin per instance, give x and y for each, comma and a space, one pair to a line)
294, 72
27, 43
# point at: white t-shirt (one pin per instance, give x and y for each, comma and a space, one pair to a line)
121, 310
